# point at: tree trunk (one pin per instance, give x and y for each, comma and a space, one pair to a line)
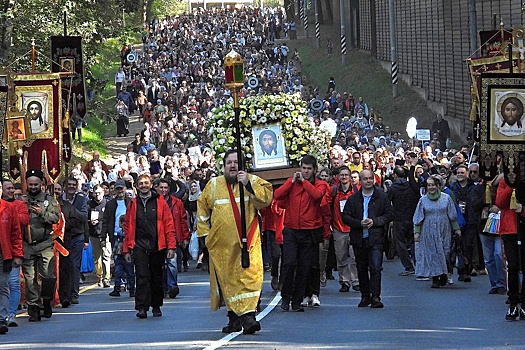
147, 10
328, 17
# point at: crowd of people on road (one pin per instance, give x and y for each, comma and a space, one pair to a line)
380, 194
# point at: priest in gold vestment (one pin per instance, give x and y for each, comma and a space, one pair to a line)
218, 221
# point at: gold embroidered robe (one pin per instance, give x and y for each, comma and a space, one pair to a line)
240, 287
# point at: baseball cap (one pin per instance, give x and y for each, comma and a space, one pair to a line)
120, 184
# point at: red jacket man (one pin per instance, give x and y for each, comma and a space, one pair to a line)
180, 223
306, 222
180, 219
148, 233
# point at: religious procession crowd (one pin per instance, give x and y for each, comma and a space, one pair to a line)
376, 194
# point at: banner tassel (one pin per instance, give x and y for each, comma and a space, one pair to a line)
513, 201
488, 195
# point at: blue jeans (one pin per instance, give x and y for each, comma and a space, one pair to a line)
77, 246
123, 267
492, 255
171, 272
369, 258
14, 290
4, 292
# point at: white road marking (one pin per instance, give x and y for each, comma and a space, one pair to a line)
224, 341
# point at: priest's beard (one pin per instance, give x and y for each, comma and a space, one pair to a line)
232, 180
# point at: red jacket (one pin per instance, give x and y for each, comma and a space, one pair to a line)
180, 219
272, 219
308, 205
165, 228
21, 210
508, 220
340, 199
10, 232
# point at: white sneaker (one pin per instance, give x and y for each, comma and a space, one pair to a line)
449, 279
307, 301
315, 300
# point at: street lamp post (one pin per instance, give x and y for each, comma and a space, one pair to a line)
234, 75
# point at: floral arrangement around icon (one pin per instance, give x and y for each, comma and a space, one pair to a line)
301, 136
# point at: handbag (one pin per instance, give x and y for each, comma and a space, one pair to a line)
194, 246
88, 264
492, 224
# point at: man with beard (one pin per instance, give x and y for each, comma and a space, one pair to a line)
148, 234
39, 258
219, 221
268, 143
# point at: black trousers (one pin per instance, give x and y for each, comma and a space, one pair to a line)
331, 259
313, 286
148, 272
515, 262
65, 270
298, 253
404, 238
468, 235
276, 253
369, 261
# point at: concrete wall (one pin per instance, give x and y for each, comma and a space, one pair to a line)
433, 41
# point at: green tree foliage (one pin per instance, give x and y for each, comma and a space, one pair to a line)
25, 20
163, 8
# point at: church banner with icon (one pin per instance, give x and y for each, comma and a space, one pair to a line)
66, 56
34, 124
501, 127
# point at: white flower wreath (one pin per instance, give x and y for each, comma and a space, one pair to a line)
301, 136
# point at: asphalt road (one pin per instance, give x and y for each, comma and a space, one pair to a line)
461, 316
